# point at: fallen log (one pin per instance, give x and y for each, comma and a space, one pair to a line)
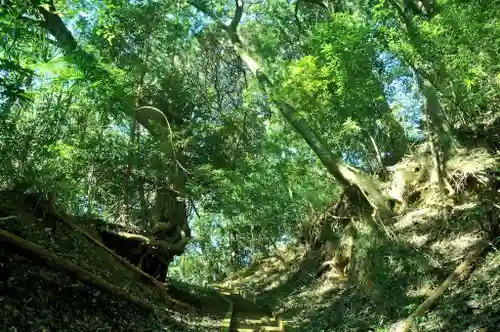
152, 281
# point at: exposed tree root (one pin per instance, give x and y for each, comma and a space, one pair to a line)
431, 300
42, 256
139, 273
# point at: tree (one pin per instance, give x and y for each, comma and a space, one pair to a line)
343, 173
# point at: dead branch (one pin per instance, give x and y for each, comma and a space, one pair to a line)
431, 300
155, 243
40, 255
9, 217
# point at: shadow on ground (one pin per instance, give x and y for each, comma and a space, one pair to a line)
379, 297
34, 298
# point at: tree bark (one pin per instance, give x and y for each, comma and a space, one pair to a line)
432, 120
432, 114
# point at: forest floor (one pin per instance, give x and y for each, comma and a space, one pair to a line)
329, 303
37, 297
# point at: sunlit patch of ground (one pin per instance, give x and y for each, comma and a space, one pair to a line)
457, 246
417, 216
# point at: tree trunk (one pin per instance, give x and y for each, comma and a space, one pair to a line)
134, 131
437, 132
235, 252
342, 172
432, 120
144, 202
128, 172
171, 210
90, 190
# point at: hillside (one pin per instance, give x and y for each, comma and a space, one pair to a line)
426, 240
54, 279
245, 165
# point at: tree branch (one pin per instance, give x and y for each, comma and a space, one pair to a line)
38, 23
56, 27
207, 12
155, 243
238, 14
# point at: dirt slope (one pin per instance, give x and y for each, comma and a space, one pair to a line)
34, 297
427, 238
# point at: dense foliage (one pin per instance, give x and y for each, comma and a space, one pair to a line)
365, 79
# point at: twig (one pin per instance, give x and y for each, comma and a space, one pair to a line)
9, 217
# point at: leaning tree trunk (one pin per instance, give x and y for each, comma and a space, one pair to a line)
437, 142
437, 132
343, 173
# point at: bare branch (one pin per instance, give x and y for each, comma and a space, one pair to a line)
238, 13
31, 21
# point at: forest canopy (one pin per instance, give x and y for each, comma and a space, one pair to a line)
238, 121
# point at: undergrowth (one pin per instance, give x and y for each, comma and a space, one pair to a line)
36, 298
397, 271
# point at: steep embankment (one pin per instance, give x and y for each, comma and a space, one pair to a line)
33, 298
393, 273
52, 278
